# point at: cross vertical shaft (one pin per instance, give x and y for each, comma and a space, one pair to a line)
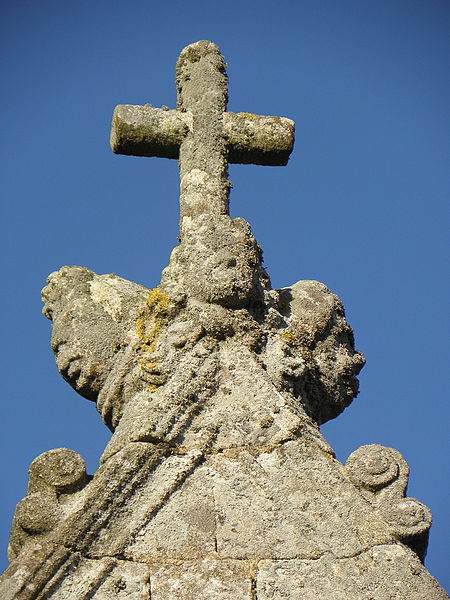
202, 90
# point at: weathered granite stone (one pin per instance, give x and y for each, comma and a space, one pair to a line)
216, 483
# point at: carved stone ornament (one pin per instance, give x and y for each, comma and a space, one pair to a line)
216, 482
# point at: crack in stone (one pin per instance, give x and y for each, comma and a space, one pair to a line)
176, 561
174, 450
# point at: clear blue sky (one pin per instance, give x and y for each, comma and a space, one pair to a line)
360, 207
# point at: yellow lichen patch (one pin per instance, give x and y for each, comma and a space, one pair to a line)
299, 335
152, 388
151, 319
290, 338
246, 115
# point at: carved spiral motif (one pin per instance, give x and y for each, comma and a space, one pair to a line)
372, 467
62, 469
408, 517
37, 514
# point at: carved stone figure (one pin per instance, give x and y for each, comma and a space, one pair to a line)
217, 482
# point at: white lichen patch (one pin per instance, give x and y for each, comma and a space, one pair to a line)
104, 292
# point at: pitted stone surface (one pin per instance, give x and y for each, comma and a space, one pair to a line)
35, 514
216, 483
203, 580
385, 571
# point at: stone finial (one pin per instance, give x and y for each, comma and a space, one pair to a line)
381, 474
54, 476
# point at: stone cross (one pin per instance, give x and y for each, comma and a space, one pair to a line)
201, 133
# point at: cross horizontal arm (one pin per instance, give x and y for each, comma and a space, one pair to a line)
250, 139
258, 140
148, 131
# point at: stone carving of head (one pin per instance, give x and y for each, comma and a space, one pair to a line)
318, 333
218, 262
92, 317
